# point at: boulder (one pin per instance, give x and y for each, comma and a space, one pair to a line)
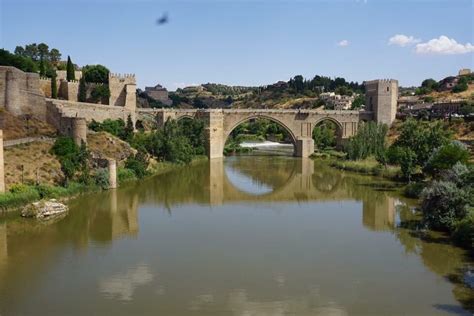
44, 209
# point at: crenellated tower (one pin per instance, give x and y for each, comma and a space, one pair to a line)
381, 98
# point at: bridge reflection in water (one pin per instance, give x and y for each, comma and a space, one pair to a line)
104, 217
96, 220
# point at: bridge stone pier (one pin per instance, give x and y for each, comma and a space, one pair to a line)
298, 123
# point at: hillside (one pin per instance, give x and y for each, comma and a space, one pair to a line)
295, 93
15, 127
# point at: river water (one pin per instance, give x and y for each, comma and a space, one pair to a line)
255, 235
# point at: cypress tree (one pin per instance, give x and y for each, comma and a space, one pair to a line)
70, 70
82, 91
54, 88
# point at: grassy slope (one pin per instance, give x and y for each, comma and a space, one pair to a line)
16, 127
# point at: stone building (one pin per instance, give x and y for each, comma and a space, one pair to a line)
464, 72
381, 98
338, 102
158, 93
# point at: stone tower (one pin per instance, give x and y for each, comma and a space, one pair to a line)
381, 98
123, 91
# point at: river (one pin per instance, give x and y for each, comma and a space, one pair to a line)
254, 235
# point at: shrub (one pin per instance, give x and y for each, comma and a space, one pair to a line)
101, 178
443, 204
138, 163
72, 158
463, 233
460, 87
446, 156
124, 174
48, 191
414, 189
114, 127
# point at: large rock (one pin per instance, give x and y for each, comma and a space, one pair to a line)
45, 209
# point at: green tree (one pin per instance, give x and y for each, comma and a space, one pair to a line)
32, 51
54, 56
369, 141
100, 93
95, 73
71, 157
138, 163
70, 71
324, 135
54, 87
446, 156
82, 94
422, 138
129, 128
359, 100
21, 62
406, 158
430, 84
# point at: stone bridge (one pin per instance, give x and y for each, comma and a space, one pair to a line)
298, 123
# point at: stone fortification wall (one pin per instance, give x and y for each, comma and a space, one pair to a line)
62, 75
68, 90
123, 90
20, 93
45, 86
88, 111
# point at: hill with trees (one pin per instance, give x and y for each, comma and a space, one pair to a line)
297, 92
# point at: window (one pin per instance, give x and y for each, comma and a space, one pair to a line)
388, 89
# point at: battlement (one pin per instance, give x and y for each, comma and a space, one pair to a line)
121, 76
377, 81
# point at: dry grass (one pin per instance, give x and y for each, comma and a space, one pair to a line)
15, 127
448, 95
31, 162
105, 145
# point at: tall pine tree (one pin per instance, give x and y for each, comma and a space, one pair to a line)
82, 90
70, 76
54, 87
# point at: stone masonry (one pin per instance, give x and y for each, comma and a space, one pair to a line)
381, 98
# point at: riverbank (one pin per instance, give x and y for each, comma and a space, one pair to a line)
368, 166
20, 195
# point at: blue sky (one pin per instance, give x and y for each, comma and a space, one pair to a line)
249, 42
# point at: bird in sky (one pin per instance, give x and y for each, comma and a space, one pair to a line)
163, 19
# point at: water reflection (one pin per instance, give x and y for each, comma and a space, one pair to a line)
122, 286
294, 237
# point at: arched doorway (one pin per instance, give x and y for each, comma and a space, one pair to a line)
260, 135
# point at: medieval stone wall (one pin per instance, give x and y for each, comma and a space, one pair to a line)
62, 75
45, 86
123, 90
20, 93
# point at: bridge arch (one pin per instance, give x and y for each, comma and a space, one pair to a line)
339, 129
245, 119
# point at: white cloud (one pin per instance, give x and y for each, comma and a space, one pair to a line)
122, 286
343, 43
444, 46
402, 40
